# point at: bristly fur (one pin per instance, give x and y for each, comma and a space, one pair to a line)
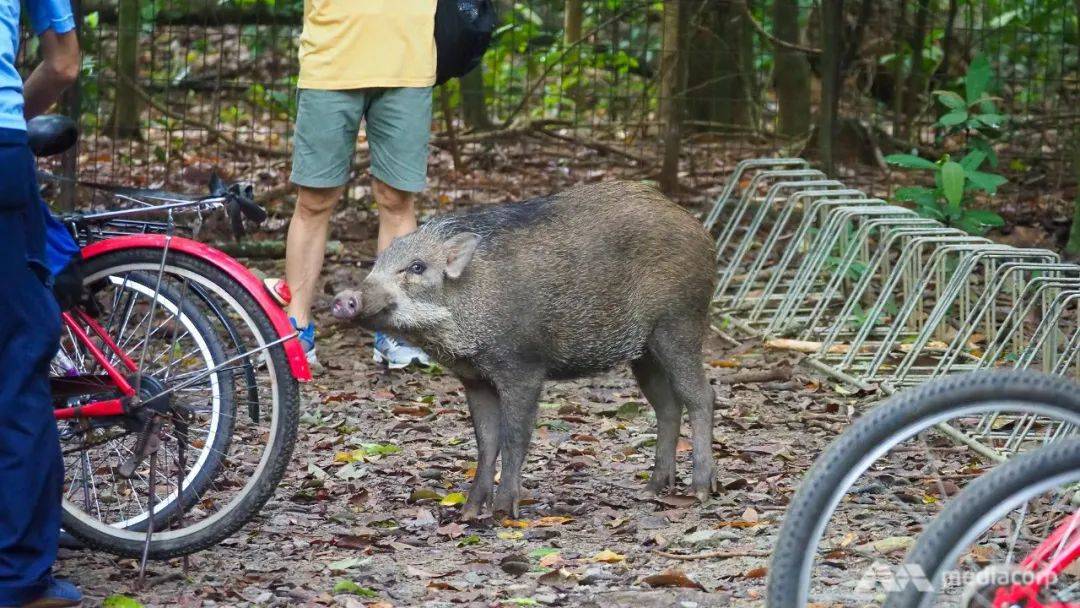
493, 219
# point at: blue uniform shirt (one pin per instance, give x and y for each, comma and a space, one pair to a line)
44, 15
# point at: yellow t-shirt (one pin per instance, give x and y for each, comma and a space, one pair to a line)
355, 44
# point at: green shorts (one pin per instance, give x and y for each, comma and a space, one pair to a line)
398, 129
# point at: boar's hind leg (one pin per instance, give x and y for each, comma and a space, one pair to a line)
517, 404
653, 379
484, 411
676, 344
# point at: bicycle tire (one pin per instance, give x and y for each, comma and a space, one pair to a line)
284, 418
901, 416
194, 487
999, 491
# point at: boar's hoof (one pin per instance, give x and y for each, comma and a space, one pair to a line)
660, 483
506, 504
704, 490
471, 511
346, 305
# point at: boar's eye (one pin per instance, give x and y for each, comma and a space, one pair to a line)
416, 267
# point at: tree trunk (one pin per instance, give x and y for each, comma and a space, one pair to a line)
572, 21
474, 101
917, 81
125, 119
832, 25
792, 72
572, 18
1073, 246
899, 79
670, 115
941, 74
719, 60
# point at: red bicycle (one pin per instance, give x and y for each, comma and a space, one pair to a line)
175, 387
1011, 539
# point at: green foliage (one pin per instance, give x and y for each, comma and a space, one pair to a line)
351, 588
974, 117
121, 601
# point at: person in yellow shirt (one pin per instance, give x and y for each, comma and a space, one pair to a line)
371, 60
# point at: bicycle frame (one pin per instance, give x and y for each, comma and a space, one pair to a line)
109, 407
1047, 561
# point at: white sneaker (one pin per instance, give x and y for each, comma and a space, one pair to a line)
397, 354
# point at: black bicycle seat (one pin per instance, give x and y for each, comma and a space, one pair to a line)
51, 134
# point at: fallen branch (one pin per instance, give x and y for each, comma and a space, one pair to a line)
713, 555
803, 346
593, 145
778, 374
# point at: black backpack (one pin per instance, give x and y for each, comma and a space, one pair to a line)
463, 30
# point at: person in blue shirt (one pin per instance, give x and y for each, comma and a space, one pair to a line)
31, 469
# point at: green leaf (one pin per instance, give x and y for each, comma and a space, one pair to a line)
977, 79
453, 498
917, 195
353, 589
910, 161
121, 601
972, 160
985, 217
952, 183
950, 100
472, 539
380, 449
987, 182
971, 226
991, 120
953, 118
930, 212
1003, 19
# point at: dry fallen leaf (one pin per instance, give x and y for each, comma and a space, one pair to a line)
550, 520
453, 498
756, 572
608, 556
513, 523
672, 578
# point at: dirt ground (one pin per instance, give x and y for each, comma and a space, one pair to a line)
589, 535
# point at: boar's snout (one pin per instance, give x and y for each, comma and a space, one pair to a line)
346, 305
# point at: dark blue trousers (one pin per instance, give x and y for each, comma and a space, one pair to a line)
31, 469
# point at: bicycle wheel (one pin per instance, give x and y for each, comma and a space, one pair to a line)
265, 394
173, 342
976, 545
893, 469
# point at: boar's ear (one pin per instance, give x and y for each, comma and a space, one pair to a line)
459, 250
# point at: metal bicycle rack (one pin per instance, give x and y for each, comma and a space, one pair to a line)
888, 299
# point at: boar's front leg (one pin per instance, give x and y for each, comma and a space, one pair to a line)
484, 411
518, 398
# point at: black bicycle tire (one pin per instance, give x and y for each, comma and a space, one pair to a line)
288, 402
989, 492
795, 544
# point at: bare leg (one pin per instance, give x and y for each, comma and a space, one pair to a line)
397, 216
517, 402
306, 246
484, 411
654, 383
